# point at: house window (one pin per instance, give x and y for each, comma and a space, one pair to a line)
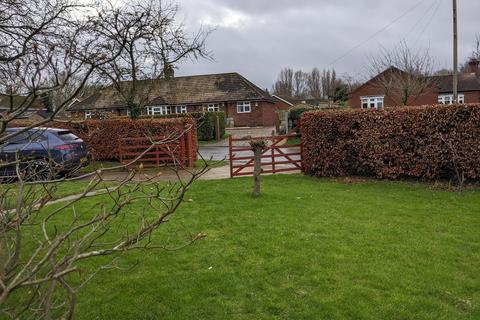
180, 109
448, 98
244, 107
88, 114
158, 110
372, 102
128, 113
211, 107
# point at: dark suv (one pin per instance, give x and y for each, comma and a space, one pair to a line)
42, 153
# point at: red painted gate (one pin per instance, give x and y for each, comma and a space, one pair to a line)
277, 156
151, 154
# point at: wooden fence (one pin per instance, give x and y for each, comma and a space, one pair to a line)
277, 156
152, 152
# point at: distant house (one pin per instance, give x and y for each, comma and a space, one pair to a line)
242, 101
371, 96
23, 108
307, 102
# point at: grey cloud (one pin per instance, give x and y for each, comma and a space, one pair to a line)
259, 37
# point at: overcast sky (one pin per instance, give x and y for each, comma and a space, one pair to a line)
257, 38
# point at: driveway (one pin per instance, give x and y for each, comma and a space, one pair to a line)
219, 150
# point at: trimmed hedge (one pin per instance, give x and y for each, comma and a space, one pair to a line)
205, 122
101, 136
430, 142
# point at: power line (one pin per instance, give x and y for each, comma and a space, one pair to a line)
429, 8
428, 23
376, 33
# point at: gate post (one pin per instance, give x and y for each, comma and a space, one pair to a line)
230, 156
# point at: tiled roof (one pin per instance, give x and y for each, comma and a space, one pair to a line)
466, 82
444, 83
17, 101
181, 91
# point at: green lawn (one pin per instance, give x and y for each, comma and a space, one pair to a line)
212, 163
293, 141
307, 249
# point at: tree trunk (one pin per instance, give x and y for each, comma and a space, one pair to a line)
257, 170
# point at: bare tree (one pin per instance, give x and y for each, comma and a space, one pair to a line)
474, 55
351, 82
401, 74
44, 240
284, 84
476, 51
329, 83
154, 44
299, 84
314, 84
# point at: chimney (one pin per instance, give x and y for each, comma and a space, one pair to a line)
473, 66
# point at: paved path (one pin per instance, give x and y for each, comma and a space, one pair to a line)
241, 133
219, 150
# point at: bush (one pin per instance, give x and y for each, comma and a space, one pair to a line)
102, 136
205, 123
295, 114
431, 142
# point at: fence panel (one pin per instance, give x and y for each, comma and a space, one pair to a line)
152, 152
277, 156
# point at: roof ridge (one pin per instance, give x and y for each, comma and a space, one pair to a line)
262, 92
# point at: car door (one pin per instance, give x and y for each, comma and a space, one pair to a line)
23, 146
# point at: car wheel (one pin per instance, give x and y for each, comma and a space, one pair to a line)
38, 170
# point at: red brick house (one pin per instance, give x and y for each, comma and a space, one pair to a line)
242, 101
371, 96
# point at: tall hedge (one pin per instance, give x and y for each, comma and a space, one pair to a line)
430, 142
205, 122
102, 136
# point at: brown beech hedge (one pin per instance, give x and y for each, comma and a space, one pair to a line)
430, 142
102, 136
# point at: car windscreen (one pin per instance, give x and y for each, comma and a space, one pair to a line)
67, 136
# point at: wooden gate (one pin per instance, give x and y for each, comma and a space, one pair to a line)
177, 152
277, 157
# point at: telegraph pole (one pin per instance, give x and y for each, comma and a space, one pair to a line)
455, 53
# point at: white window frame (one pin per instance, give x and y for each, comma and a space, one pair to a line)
158, 110
88, 115
372, 102
180, 109
244, 107
128, 113
448, 98
211, 107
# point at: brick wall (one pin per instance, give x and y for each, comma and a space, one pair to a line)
428, 98
262, 113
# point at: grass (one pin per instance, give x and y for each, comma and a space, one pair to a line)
293, 141
109, 164
96, 165
307, 249
212, 163
209, 142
